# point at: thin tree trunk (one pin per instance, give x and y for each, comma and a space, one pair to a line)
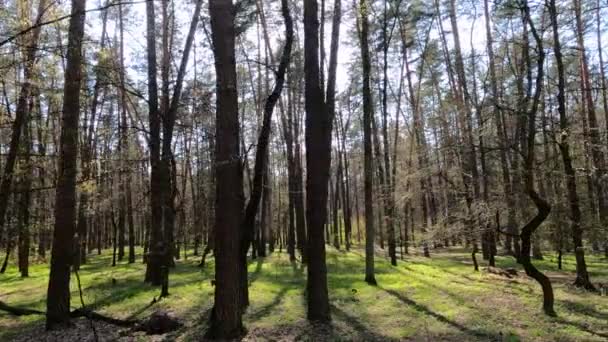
261, 157
124, 144
506, 175
331, 104
24, 205
387, 188
370, 278
543, 208
582, 277
154, 257
20, 114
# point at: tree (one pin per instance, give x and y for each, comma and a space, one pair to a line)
154, 259
543, 208
582, 277
318, 158
387, 186
367, 145
506, 174
20, 113
58, 295
260, 173
226, 321
330, 97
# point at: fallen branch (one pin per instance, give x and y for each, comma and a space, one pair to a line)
99, 317
19, 311
74, 314
159, 322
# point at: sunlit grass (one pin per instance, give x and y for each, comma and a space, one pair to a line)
441, 298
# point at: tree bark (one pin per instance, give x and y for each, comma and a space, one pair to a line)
58, 295
318, 158
582, 277
24, 205
154, 258
330, 97
370, 278
387, 188
226, 318
543, 208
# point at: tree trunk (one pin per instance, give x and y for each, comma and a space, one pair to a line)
421, 148
506, 175
287, 124
58, 297
604, 85
154, 257
20, 114
582, 277
261, 157
124, 145
543, 208
24, 206
318, 158
387, 188
370, 278
226, 318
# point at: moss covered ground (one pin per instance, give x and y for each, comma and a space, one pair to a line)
421, 299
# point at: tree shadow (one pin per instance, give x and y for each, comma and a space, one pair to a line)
268, 308
256, 273
425, 310
298, 270
194, 330
582, 327
522, 288
137, 312
584, 310
17, 291
117, 293
124, 289
365, 334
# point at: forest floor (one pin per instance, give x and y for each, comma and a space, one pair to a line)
436, 299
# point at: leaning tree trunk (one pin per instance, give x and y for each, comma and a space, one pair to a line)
261, 156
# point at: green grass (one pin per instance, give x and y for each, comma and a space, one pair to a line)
435, 299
